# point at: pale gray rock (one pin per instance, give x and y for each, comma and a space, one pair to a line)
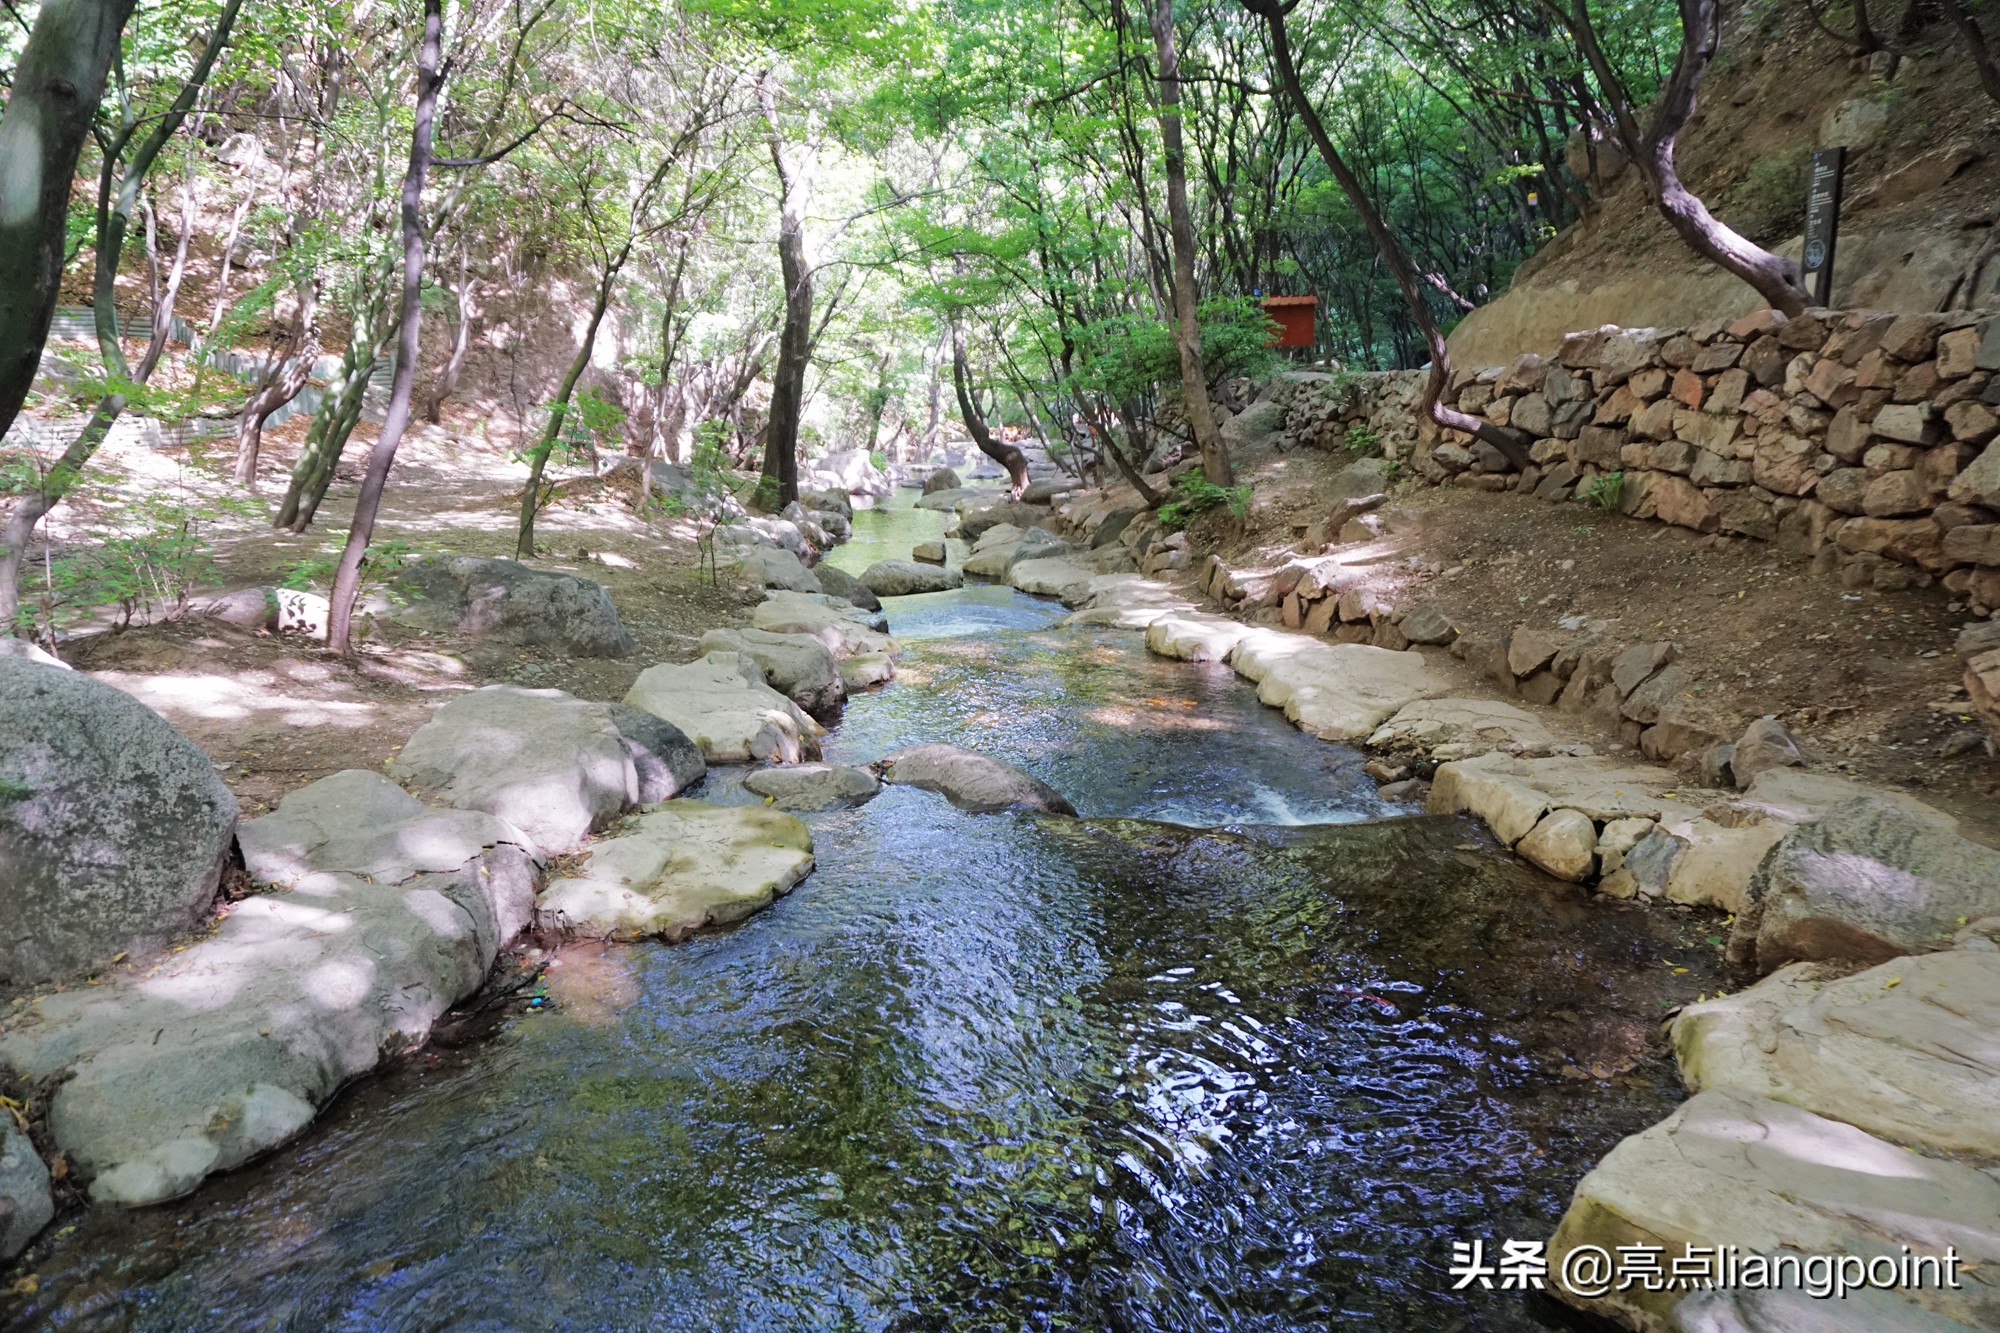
508, 602
1868, 880
720, 703
944, 479
1424, 623
796, 665
845, 629
390, 914
25, 1203
901, 578
665, 763
1564, 843
970, 780
686, 865
114, 828
552, 765
814, 786
775, 567
1766, 744
839, 583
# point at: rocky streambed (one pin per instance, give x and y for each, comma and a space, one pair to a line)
1234, 1046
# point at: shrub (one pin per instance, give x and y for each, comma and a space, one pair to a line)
1195, 495
1604, 490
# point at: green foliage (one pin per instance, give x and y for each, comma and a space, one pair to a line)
1361, 438
1769, 203
379, 564
1605, 490
148, 570
1195, 495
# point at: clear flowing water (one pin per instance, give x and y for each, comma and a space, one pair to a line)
1214, 1056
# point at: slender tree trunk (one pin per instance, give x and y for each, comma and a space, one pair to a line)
1386, 245
524, 542
347, 574
1180, 229
1976, 46
1006, 455
283, 383
788, 379
54, 95
334, 420
461, 342
169, 292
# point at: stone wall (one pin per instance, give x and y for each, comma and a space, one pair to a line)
1862, 440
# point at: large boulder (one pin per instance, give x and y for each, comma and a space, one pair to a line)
944, 479
507, 602
1904, 1050
1760, 1176
1868, 880
856, 471
114, 829
846, 630
775, 567
952, 497
722, 704
796, 665
813, 786
1053, 576
900, 578
665, 763
681, 867
1194, 636
970, 780
25, 1202
394, 913
1261, 425
991, 510
839, 583
554, 766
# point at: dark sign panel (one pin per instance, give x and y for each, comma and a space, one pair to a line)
1823, 220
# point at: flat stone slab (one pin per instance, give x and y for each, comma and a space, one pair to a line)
727, 712
685, 865
1908, 1050
814, 786
1463, 728
1127, 601
901, 578
1512, 794
1344, 691
1194, 636
390, 913
1052, 576
844, 628
1765, 1177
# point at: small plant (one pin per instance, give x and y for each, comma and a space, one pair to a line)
1195, 495
1604, 490
1362, 438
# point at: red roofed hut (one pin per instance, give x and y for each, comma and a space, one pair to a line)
1294, 317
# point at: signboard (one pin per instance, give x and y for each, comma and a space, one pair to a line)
1822, 220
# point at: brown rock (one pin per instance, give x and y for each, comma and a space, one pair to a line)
1740, 511
1617, 408
1973, 544
1784, 463
1636, 665
1844, 489
1529, 650
1728, 393
1711, 470
1886, 457
1895, 494
1919, 382
1972, 422
1847, 436
1756, 324
1688, 388
1766, 361
1807, 333
1914, 541
1526, 375
1679, 501
1718, 356
1957, 353
1913, 337
1656, 420
1649, 384
1707, 431
1979, 483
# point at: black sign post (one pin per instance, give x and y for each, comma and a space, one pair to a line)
1823, 220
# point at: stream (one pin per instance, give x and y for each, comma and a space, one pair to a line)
1236, 1050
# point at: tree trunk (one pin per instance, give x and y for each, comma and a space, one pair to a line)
1006, 455
524, 542
347, 574
1777, 279
50, 105
281, 385
326, 437
1386, 245
788, 379
461, 342
1180, 230
1976, 46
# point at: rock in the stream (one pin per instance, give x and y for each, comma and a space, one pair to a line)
1868, 880
554, 766
970, 780
797, 665
683, 866
775, 567
1053, 576
1904, 1050
1866, 1310
944, 479
814, 786
1194, 636
508, 602
665, 763
901, 578
393, 912
1463, 726
25, 1203
1763, 1176
844, 628
1338, 691
1127, 601
843, 585
114, 828
1564, 843
721, 704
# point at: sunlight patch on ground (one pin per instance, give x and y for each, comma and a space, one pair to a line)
227, 698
